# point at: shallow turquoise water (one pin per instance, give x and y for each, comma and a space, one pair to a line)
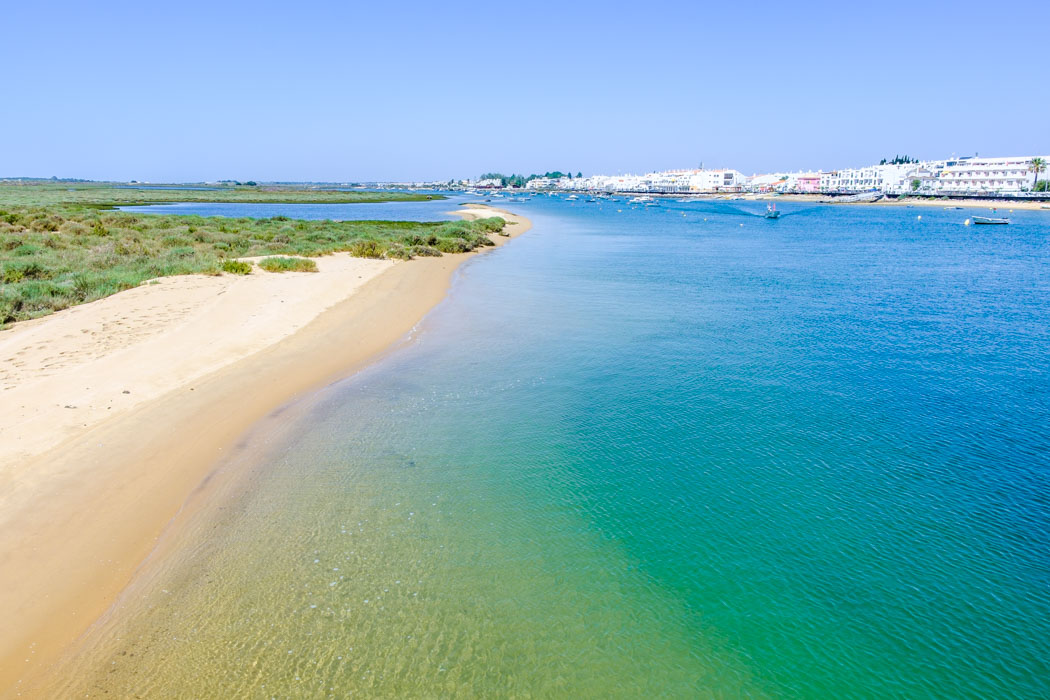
651, 452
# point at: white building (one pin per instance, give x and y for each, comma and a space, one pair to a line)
541, 183
691, 181
1011, 175
874, 178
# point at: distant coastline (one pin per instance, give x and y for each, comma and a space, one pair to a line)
903, 201
945, 202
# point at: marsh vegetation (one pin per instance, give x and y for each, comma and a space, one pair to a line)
53, 257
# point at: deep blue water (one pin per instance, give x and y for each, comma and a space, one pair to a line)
671, 451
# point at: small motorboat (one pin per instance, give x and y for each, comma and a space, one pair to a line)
989, 220
771, 212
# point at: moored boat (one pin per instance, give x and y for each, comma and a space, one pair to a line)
989, 220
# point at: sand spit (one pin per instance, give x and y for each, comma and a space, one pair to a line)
114, 412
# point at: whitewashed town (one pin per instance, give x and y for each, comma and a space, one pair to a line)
969, 176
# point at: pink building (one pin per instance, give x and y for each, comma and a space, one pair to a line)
809, 182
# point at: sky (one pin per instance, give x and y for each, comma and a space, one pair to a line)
342, 91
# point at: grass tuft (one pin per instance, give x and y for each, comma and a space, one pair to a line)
237, 267
283, 264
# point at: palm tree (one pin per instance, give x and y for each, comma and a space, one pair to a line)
1037, 166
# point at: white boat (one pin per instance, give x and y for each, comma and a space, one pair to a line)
572, 196
989, 220
640, 200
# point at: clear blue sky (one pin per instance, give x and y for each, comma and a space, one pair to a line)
405, 90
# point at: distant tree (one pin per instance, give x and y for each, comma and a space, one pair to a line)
915, 184
579, 174
1037, 166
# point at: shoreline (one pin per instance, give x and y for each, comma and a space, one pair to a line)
815, 198
71, 542
993, 204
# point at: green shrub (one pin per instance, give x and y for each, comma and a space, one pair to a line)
74, 228
46, 223
452, 245
176, 241
10, 305
366, 249
492, 224
283, 264
425, 251
16, 272
398, 252
237, 267
26, 249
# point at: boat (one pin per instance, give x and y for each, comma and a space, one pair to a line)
640, 200
989, 220
771, 212
572, 196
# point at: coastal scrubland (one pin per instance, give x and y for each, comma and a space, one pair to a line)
106, 195
59, 253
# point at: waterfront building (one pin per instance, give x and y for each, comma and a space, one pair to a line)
981, 176
542, 183
955, 176
887, 178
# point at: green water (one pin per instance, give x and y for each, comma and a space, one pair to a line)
646, 453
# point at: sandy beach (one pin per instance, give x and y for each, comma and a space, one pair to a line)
114, 412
